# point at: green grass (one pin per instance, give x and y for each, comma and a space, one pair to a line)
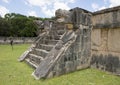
13, 72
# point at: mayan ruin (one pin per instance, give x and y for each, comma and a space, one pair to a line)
77, 39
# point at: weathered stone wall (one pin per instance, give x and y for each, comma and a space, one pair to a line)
105, 41
108, 18
77, 56
99, 48
85, 43
106, 49
80, 16
114, 40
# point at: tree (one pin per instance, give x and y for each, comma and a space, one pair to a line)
19, 25
29, 30
4, 27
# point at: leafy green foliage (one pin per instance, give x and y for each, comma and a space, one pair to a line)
19, 25
29, 32
13, 72
4, 27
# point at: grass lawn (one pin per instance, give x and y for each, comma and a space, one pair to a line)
13, 72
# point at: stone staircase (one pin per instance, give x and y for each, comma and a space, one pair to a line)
64, 48
49, 49
43, 46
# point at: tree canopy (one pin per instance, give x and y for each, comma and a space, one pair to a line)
18, 25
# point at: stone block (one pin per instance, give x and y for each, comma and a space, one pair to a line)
96, 38
106, 62
114, 40
69, 66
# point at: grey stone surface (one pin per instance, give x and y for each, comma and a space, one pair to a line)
61, 50
108, 18
108, 62
67, 46
63, 16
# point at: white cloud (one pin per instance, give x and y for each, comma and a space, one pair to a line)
3, 10
71, 1
114, 3
32, 13
103, 7
47, 12
6, 1
95, 6
61, 5
48, 7
104, 0
39, 2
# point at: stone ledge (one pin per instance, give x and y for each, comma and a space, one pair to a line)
112, 25
107, 10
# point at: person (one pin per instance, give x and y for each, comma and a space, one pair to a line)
5, 39
11, 43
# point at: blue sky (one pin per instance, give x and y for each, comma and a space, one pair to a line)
46, 8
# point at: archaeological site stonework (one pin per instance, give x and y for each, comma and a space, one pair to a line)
75, 40
105, 40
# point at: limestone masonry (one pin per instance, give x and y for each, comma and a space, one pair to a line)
76, 39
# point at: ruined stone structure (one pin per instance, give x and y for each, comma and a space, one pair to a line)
105, 40
76, 40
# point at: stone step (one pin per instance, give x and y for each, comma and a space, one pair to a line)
61, 32
45, 47
53, 37
34, 65
49, 42
36, 56
59, 25
58, 28
40, 52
